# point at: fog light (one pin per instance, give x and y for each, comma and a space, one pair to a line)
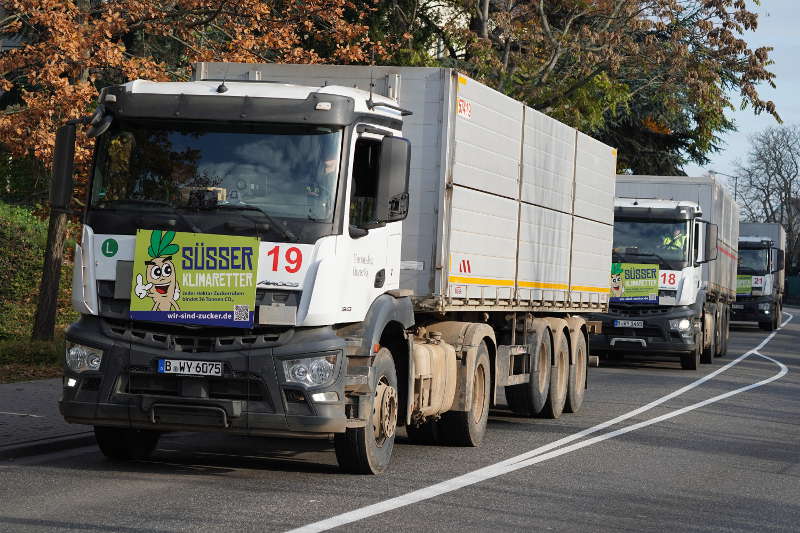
71, 382
310, 371
680, 324
80, 358
330, 396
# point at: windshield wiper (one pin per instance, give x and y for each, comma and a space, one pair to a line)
286, 232
661, 260
157, 203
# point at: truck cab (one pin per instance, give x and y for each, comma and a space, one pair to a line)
759, 281
231, 230
657, 297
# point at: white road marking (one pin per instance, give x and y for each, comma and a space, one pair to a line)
543, 453
21, 414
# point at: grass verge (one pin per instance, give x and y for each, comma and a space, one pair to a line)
23, 237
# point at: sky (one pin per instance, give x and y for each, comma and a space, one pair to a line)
779, 27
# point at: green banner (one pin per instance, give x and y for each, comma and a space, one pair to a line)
744, 285
194, 278
634, 282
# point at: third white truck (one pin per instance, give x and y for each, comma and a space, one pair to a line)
760, 274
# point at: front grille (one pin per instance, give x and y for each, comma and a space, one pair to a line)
177, 338
245, 388
634, 332
639, 310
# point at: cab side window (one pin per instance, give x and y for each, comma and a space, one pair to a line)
365, 181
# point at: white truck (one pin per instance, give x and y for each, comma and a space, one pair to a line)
673, 276
330, 251
760, 274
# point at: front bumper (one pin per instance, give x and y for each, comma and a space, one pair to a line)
250, 398
746, 309
655, 337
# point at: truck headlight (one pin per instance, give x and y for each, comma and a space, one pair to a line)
680, 324
310, 371
81, 358
764, 306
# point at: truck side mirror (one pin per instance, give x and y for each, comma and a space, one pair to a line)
392, 193
63, 167
780, 262
711, 250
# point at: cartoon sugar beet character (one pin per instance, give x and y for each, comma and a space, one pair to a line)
617, 289
162, 280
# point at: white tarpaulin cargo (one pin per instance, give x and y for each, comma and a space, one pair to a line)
508, 207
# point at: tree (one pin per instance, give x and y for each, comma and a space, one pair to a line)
651, 77
768, 184
74, 46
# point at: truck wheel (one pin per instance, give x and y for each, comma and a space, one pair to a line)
707, 356
559, 376
125, 444
724, 334
368, 449
468, 428
690, 361
528, 399
576, 386
426, 433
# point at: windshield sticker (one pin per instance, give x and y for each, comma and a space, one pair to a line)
194, 278
744, 285
634, 282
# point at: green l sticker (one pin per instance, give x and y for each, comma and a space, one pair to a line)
110, 247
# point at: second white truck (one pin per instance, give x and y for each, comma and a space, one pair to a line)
673, 276
330, 251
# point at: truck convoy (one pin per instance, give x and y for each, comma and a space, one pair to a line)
673, 273
320, 251
760, 274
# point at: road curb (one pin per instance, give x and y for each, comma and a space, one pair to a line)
38, 447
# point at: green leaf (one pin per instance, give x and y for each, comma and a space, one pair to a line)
172, 249
155, 244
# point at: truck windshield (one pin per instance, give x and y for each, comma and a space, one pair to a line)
658, 242
753, 261
284, 171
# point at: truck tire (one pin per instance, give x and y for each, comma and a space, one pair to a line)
559, 377
690, 361
368, 449
576, 386
723, 335
772, 323
427, 433
126, 444
467, 428
528, 399
707, 356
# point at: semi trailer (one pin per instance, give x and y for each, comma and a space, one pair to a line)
760, 274
673, 273
330, 251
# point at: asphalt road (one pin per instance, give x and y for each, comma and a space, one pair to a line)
719, 454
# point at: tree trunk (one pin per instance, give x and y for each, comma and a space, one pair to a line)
45, 321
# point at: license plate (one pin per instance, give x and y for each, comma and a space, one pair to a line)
629, 323
738, 306
190, 368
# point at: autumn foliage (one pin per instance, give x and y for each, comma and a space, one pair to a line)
70, 48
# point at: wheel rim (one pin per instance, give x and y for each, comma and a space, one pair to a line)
384, 412
543, 364
563, 361
478, 394
580, 368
